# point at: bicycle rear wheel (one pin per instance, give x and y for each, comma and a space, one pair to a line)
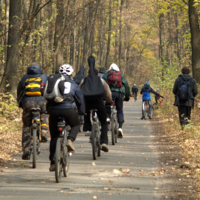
116, 131
94, 142
58, 164
34, 148
144, 110
113, 130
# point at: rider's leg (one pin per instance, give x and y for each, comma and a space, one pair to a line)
142, 111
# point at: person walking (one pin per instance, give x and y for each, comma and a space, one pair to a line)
185, 89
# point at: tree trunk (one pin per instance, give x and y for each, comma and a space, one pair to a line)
120, 33
58, 57
9, 79
195, 40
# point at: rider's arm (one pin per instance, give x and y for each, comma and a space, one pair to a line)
141, 91
108, 94
80, 102
176, 85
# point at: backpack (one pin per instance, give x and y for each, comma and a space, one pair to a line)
114, 79
52, 92
33, 86
184, 90
92, 87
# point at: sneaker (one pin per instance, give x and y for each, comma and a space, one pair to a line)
120, 133
52, 168
108, 120
142, 117
104, 148
88, 133
70, 145
26, 155
43, 136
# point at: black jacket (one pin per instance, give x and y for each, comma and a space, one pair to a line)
79, 76
193, 89
32, 72
134, 89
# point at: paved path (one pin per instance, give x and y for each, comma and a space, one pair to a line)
88, 179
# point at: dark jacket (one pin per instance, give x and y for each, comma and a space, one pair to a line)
134, 89
32, 72
79, 76
193, 90
77, 98
124, 89
146, 90
102, 71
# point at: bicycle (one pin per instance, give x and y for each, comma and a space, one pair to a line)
146, 109
135, 96
62, 155
95, 134
35, 134
114, 123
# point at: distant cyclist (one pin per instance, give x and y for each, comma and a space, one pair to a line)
119, 88
72, 96
30, 95
146, 90
135, 91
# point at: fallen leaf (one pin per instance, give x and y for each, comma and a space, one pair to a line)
102, 178
126, 170
156, 188
93, 163
151, 182
146, 158
93, 181
95, 197
111, 182
110, 194
106, 188
43, 182
132, 163
116, 171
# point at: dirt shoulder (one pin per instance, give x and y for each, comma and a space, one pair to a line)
179, 180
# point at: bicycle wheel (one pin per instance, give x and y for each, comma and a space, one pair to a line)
144, 110
151, 114
58, 164
113, 130
94, 149
98, 142
116, 131
66, 158
34, 148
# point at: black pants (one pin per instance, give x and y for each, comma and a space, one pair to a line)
101, 113
71, 118
184, 114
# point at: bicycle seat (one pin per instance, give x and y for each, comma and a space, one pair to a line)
35, 109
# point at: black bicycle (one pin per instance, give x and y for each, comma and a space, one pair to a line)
146, 109
95, 134
62, 155
114, 124
35, 134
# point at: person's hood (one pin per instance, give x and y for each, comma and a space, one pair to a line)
114, 66
91, 63
146, 86
185, 77
33, 71
102, 70
81, 70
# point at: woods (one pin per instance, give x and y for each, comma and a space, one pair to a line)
140, 36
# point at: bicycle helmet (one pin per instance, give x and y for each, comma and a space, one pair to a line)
66, 69
147, 83
134, 84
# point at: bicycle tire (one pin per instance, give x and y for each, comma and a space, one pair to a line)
151, 115
66, 158
116, 131
113, 130
145, 111
94, 150
34, 148
58, 164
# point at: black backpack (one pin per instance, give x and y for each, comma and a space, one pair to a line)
92, 86
184, 92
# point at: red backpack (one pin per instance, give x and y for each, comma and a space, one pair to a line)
115, 79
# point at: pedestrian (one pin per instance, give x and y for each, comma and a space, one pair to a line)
185, 89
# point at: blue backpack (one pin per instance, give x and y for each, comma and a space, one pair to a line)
184, 92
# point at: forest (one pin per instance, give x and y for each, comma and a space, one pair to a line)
145, 38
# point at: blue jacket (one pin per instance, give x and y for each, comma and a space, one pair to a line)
134, 89
77, 98
146, 90
32, 72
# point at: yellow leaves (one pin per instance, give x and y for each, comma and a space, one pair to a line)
111, 182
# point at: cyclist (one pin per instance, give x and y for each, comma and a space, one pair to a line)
30, 95
96, 102
79, 76
102, 71
146, 90
66, 109
135, 91
119, 87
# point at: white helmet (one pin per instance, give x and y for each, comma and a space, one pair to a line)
114, 66
66, 69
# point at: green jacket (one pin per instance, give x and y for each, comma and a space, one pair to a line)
125, 89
